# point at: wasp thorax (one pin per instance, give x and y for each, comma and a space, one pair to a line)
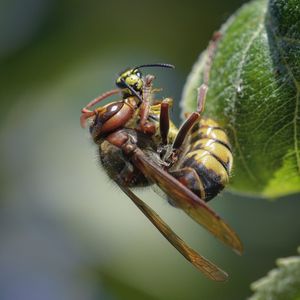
110, 117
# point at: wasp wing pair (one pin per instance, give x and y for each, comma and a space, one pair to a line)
192, 205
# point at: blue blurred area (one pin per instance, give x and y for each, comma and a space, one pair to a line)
66, 231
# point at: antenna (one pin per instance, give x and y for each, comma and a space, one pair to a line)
155, 65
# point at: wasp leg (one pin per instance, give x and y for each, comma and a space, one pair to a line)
192, 118
210, 55
184, 130
164, 121
99, 98
145, 126
202, 91
86, 113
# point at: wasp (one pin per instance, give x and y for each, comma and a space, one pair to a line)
139, 145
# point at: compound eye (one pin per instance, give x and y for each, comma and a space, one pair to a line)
138, 74
135, 82
123, 77
119, 82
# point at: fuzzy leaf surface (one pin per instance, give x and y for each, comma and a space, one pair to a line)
254, 92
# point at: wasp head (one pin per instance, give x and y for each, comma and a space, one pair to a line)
130, 79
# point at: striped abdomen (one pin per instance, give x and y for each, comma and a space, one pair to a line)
206, 166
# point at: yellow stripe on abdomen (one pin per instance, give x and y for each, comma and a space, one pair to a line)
220, 151
213, 166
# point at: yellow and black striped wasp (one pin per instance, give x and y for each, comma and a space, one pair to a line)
139, 146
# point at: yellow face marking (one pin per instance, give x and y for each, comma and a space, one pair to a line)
124, 75
210, 163
132, 79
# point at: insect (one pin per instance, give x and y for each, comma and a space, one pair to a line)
132, 86
139, 145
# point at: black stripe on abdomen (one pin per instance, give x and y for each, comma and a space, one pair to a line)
210, 180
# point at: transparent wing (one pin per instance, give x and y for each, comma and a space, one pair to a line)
205, 266
187, 201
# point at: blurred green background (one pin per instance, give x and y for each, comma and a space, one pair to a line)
66, 232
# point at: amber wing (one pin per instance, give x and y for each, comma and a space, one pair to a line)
205, 266
187, 201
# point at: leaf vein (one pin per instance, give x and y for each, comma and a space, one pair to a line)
237, 81
276, 133
297, 86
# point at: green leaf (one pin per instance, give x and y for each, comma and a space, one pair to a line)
254, 92
282, 283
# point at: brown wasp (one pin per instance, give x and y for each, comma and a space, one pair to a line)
139, 145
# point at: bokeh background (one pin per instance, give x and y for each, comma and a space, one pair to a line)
66, 232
